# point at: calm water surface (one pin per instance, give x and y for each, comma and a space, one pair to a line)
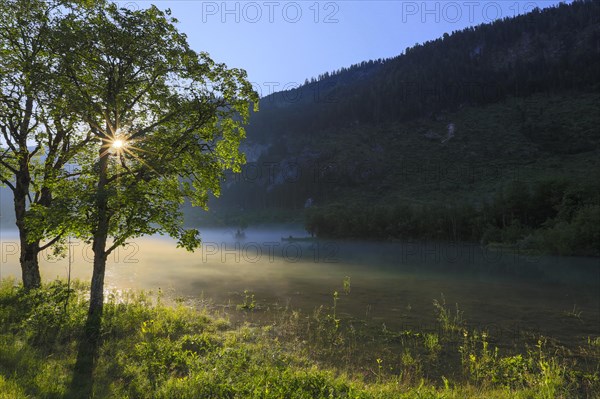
392, 283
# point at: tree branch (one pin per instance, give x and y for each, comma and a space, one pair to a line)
52, 242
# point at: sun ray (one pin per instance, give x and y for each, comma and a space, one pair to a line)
121, 147
127, 149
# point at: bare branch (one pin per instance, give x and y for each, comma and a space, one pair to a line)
52, 242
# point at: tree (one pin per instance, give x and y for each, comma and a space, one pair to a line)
39, 135
166, 123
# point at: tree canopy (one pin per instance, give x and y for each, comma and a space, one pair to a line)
166, 123
39, 134
130, 122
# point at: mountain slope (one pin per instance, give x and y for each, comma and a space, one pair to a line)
516, 90
458, 120
552, 50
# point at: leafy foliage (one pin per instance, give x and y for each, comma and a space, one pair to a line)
133, 77
39, 135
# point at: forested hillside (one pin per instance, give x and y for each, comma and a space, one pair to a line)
552, 50
451, 123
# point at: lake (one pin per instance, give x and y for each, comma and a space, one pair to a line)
391, 283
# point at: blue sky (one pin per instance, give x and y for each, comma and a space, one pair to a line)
280, 43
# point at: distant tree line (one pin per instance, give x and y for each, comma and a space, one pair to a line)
553, 215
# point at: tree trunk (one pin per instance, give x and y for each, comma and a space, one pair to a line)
29, 251
99, 244
97, 289
29, 264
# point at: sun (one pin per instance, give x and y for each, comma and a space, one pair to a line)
118, 144
123, 147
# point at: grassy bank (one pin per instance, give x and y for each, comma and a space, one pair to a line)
150, 349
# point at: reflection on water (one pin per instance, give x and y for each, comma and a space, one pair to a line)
391, 283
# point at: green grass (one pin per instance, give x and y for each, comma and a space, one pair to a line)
151, 349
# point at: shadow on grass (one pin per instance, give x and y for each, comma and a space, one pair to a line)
23, 362
82, 383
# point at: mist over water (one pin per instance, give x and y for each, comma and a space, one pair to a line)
391, 282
